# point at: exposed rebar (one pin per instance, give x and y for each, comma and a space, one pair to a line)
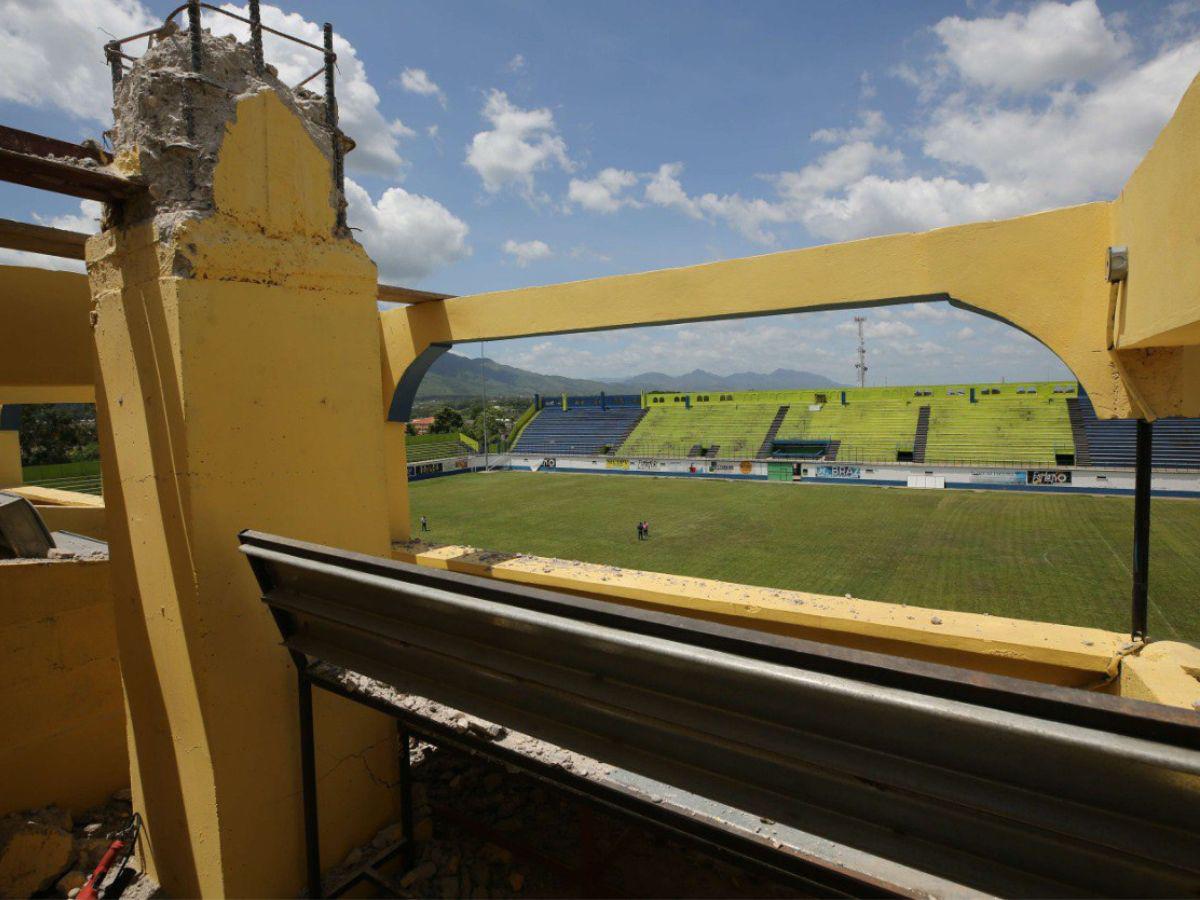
335, 135
256, 45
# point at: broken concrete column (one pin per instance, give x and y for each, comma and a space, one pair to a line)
238, 369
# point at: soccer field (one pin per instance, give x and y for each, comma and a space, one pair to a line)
1048, 557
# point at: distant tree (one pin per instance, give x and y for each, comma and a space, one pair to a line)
58, 433
447, 421
497, 425
408, 428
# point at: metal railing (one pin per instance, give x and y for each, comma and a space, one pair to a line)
915, 778
83, 484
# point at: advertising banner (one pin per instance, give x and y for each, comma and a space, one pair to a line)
839, 472
998, 477
647, 465
1048, 477
721, 467
549, 462
616, 464
429, 468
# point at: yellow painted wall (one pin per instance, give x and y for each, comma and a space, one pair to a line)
51, 362
10, 459
60, 686
244, 396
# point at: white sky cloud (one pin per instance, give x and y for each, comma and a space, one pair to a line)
408, 236
603, 193
526, 252
417, 81
53, 52
516, 64
1049, 44
520, 143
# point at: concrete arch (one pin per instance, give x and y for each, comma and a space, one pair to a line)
1135, 346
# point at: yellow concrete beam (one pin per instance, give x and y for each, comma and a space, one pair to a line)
44, 496
1056, 654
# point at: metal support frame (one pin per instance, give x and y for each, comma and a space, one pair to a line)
1139, 628
370, 870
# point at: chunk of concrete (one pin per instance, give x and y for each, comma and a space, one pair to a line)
34, 852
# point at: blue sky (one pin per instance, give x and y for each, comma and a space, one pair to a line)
511, 143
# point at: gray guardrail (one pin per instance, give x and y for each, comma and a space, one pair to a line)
946, 776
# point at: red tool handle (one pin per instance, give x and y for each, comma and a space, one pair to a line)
88, 891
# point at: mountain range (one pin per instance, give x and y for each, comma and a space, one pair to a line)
454, 376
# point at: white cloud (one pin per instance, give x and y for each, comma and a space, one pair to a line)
750, 217
87, 220
516, 64
417, 81
1051, 43
584, 252
519, 143
879, 328
53, 52
871, 124
985, 155
603, 193
408, 236
965, 333
377, 138
526, 252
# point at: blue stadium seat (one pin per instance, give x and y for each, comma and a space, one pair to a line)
1111, 442
580, 430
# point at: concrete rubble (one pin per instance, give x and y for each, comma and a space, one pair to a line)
50, 853
151, 139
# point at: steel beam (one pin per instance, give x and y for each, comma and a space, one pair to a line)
41, 239
394, 294
944, 775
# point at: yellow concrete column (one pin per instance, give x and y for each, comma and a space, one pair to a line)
238, 387
397, 480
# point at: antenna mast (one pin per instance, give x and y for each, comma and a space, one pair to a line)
861, 365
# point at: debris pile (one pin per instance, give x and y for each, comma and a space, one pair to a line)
49, 852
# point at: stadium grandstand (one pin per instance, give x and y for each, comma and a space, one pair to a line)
1024, 424
422, 447
581, 425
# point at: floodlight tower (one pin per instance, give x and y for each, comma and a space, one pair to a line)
861, 365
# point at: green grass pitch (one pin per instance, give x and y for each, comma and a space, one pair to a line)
1047, 557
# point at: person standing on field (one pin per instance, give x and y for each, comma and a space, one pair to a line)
641, 531
424, 524
646, 529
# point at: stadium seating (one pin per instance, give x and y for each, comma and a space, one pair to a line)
733, 429
1009, 429
1112, 442
872, 430
418, 448
579, 430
